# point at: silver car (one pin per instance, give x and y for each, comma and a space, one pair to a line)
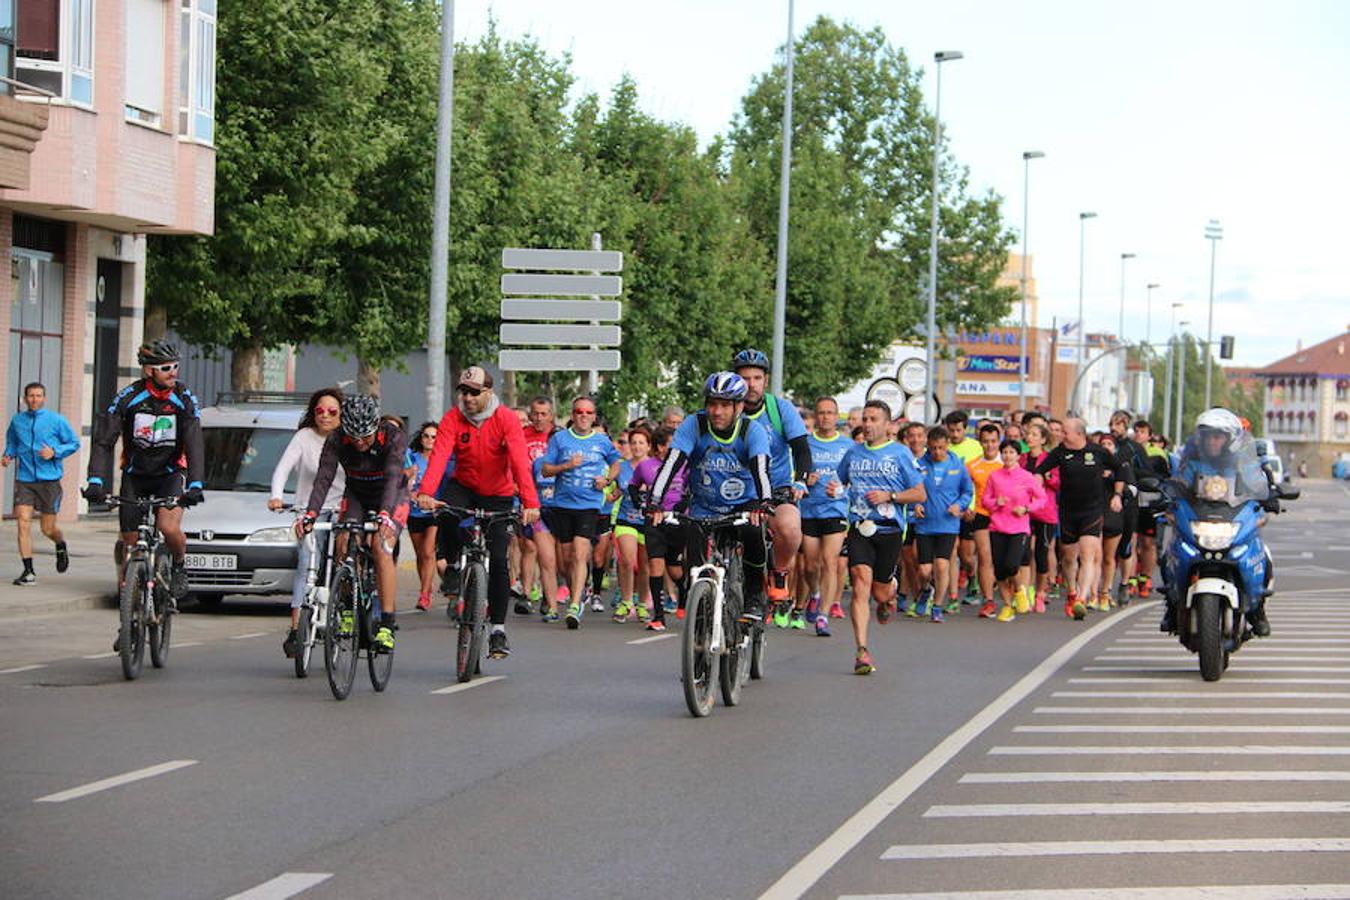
235, 545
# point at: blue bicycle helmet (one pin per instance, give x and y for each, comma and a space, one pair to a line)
724, 386
750, 357
360, 415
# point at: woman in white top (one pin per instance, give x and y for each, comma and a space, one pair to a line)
322, 416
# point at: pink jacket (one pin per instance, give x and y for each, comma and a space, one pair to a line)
1015, 487
1049, 511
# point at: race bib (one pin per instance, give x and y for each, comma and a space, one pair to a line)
732, 489
150, 431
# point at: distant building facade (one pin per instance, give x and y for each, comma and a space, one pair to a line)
1307, 403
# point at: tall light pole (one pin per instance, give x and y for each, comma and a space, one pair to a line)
784, 179
1148, 314
1213, 234
940, 57
1171, 364
440, 220
1082, 329
1120, 335
1183, 348
1027, 157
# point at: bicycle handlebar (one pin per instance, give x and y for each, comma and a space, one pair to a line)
145, 502
444, 510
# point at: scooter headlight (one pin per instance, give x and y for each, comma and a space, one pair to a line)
1214, 535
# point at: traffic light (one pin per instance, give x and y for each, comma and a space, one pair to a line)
1226, 346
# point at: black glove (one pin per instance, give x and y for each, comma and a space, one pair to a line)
191, 497
95, 493
306, 521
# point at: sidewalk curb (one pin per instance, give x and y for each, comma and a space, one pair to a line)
36, 608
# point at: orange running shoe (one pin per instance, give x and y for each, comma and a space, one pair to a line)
777, 586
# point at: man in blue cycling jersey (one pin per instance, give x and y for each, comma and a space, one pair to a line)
728, 459
789, 464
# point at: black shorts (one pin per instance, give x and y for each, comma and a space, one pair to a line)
1113, 524
603, 524
968, 528
1146, 524
140, 487
1073, 525
818, 528
664, 541
935, 546
419, 524
1009, 552
568, 524
43, 496
878, 552
910, 537
356, 503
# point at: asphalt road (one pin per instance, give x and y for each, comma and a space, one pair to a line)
578, 772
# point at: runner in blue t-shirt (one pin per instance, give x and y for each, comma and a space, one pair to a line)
824, 512
950, 490
881, 477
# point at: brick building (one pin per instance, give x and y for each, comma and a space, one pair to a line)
1307, 403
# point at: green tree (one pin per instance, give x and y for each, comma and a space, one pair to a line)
1246, 405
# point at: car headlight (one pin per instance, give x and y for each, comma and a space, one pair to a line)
1214, 535
272, 536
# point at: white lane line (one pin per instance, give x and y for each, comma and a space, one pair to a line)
1112, 848
1247, 659
1306, 554
654, 638
1263, 669
477, 682
1179, 679
1130, 777
99, 656
1161, 808
181, 644
1178, 892
1273, 642
1165, 750
797, 880
287, 884
17, 669
1182, 729
1190, 711
251, 634
1209, 695
116, 781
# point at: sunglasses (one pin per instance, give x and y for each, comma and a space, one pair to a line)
583, 412
470, 392
166, 368
326, 410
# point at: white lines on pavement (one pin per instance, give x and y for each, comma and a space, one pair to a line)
181, 644
1264, 669
1258, 658
1159, 808
287, 884
1277, 643
1209, 695
1305, 554
478, 682
116, 781
1120, 777
1191, 710
1112, 848
1177, 679
809, 869
1178, 892
99, 656
251, 634
17, 669
1165, 750
1182, 729
654, 638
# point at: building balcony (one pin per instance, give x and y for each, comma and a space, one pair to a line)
21, 126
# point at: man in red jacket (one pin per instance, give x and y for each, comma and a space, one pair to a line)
491, 468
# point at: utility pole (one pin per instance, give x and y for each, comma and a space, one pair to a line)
440, 221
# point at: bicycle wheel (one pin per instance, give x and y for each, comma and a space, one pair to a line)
757, 651
379, 664
131, 626
735, 660
696, 657
472, 624
339, 645
304, 636
159, 634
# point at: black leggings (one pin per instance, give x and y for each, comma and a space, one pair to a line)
1043, 535
1007, 550
450, 541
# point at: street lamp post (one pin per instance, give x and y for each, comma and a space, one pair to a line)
1082, 329
784, 180
1027, 157
1213, 234
940, 57
1183, 348
1171, 365
1148, 315
1120, 335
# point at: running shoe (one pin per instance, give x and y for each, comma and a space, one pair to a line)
597, 602
862, 662
26, 579
798, 620
346, 621
812, 608
1076, 608
642, 613
753, 611
883, 612
1007, 613
574, 615
822, 626
777, 587
523, 605
549, 615
291, 645
622, 612
988, 611
656, 625
564, 593
384, 640
953, 608
424, 601
922, 604
781, 614
498, 648
668, 603
679, 613
1039, 606
902, 604
62, 557
836, 611
1022, 602
936, 614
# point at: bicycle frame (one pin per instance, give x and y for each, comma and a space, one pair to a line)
715, 531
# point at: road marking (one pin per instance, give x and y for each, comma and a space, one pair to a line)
1209, 695
809, 869
1112, 848
287, 884
1179, 892
251, 634
1178, 680
1277, 643
1182, 729
1263, 669
116, 781
1136, 656
1115, 777
479, 682
1191, 710
1306, 554
654, 638
182, 644
17, 669
1160, 808
99, 656
1165, 750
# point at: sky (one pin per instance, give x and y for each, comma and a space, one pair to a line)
1157, 116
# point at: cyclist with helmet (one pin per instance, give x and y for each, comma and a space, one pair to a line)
789, 463
159, 422
371, 454
727, 456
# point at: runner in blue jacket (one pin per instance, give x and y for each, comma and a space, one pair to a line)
37, 441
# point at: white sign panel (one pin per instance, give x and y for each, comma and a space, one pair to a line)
913, 375
563, 260
1066, 354
558, 360
888, 390
997, 388
563, 285
550, 335
535, 309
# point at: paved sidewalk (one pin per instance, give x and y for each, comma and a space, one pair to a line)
89, 583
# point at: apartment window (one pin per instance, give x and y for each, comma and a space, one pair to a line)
55, 47
197, 69
145, 60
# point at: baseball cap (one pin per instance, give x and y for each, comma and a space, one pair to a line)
475, 377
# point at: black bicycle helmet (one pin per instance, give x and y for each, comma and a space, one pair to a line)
750, 357
154, 353
360, 415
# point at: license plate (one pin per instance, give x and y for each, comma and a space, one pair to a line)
212, 562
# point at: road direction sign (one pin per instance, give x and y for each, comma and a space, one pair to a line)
563, 260
536, 309
550, 335
558, 360
563, 285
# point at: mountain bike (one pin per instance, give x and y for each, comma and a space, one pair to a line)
310, 628
474, 566
144, 607
351, 621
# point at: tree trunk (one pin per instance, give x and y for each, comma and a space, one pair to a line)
156, 321
246, 368
367, 378
509, 388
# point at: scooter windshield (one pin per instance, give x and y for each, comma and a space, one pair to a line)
1229, 476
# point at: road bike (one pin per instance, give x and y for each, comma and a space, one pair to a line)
474, 566
145, 605
714, 636
311, 626
351, 620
